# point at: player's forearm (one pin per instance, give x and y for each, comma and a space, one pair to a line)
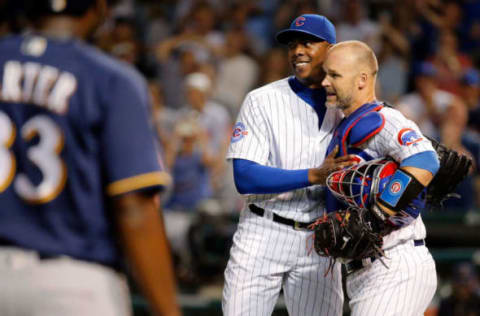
253, 178
420, 168
423, 176
143, 237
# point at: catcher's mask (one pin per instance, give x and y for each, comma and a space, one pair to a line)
359, 185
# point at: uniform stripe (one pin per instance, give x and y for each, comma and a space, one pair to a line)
138, 182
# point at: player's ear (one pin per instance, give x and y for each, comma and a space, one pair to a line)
362, 80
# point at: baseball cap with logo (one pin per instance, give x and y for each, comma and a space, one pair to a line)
315, 25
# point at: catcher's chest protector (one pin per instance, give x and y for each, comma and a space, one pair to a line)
354, 130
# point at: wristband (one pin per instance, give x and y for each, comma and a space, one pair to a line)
402, 188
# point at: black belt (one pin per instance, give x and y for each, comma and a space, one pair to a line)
279, 219
355, 265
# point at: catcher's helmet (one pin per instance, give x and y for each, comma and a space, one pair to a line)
359, 185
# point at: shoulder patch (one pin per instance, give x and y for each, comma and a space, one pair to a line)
239, 131
408, 136
366, 127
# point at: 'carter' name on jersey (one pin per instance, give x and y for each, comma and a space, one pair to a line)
37, 84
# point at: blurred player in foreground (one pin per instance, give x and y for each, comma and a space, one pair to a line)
77, 164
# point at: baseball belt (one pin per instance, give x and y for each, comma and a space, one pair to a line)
279, 219
355, 265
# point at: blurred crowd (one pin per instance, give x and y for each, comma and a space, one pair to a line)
460, 296
201, 57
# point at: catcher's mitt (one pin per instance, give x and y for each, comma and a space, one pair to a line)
353, 233
454, 167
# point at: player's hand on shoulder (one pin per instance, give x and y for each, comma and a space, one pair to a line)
330, 164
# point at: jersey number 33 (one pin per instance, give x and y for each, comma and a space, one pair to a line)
44, 154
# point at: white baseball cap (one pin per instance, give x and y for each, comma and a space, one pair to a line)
199, 81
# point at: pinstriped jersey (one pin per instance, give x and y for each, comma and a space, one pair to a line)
400, 138
277, 128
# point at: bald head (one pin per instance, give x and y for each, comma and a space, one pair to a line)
351, 69
357, 54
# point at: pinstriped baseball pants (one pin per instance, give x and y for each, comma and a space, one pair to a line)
266, 257
405, 288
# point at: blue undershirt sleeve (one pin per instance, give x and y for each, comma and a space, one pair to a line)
427, 160
253, 178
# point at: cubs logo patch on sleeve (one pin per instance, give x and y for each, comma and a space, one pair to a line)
239, 131
408, 136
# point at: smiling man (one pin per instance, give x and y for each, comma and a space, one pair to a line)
278, 151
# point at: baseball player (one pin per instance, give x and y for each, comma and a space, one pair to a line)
406, 281
278, 142
77, 163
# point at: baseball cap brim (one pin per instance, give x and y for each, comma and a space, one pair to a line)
285, 36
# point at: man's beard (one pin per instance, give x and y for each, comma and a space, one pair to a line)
341, 103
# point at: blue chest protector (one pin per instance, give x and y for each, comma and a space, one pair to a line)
354, 130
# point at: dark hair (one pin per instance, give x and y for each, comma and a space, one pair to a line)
36, 8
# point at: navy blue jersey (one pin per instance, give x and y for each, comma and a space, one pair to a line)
74, 130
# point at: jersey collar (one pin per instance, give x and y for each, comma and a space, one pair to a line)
310, 96
314, 97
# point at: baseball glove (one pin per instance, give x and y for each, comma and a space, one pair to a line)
454, 167
353, 233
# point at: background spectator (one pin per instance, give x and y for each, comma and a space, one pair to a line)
356, 25
465, 297
237, 71
438, 113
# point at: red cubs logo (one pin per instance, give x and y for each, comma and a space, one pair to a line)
408, 136
300, 21
395, 187
239, 131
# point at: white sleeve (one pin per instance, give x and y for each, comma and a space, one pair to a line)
400, 138
250, 138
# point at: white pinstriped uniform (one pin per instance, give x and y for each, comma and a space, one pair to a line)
408, 285
280, 130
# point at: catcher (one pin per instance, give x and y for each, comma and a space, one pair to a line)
376, 229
